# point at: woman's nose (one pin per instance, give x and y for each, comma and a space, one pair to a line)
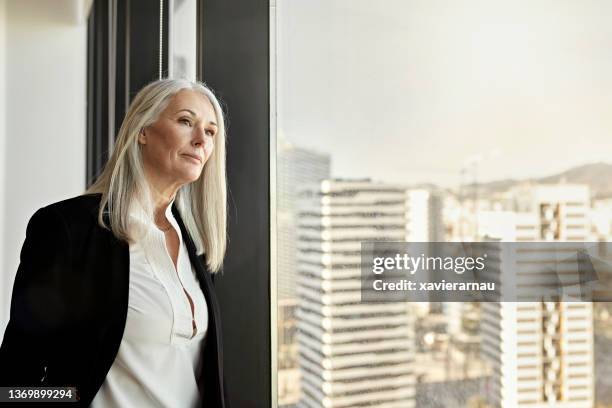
198, 137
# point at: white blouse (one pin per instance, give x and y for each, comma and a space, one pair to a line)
160, 356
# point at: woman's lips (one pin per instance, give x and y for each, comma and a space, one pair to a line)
194, 157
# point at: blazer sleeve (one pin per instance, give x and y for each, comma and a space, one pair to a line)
37, 308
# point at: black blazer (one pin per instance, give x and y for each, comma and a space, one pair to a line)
70, 302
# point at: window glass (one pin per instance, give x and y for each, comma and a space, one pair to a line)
418, 120
183, 39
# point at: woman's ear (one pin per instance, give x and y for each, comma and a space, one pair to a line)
142, 137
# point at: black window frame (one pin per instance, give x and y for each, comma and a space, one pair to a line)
234, 61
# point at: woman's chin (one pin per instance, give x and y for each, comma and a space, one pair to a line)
189, 176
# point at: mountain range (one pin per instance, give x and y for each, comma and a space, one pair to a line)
598, 176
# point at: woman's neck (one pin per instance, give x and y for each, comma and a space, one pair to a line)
162, 194
161, 199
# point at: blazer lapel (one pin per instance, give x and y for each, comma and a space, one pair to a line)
112, 258
204, 276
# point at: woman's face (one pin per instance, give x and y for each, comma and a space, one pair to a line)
177, 145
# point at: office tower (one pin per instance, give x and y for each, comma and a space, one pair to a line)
541, 353
351, 354
424, 216
423, 224
601, 219
296, 167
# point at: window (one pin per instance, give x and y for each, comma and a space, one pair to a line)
433, 121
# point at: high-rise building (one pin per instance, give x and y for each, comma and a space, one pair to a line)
296, 167
351, 354
601, 219
424, 216
541, 353
424, 223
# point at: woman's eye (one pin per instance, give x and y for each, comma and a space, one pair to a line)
210, 132
186, 121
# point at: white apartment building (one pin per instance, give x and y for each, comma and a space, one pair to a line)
351, 354
541, 353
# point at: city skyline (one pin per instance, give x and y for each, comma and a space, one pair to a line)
343, 202
418, 184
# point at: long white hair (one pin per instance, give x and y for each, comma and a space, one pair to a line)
202, 204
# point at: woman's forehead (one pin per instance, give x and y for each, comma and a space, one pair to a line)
191, 100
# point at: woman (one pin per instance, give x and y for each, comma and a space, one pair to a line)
114, 292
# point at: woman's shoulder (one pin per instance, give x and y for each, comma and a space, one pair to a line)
64, 222
83, 204
75, 210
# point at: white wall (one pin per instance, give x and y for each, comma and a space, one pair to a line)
44, 70
3, 289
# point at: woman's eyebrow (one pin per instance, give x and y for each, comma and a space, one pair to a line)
187, 110
194, 115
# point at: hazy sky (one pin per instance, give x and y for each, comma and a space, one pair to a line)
409, 90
